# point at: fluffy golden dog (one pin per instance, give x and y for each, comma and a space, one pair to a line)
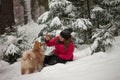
33, 59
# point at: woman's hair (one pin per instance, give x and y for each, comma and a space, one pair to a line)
65, 42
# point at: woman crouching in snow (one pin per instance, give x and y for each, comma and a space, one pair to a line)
64, 48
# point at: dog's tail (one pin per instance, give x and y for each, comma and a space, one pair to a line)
28, 56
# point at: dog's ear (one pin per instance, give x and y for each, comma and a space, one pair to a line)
36, 43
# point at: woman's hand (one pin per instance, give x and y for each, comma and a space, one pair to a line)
47, 37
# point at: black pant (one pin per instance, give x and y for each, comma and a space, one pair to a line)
53, 59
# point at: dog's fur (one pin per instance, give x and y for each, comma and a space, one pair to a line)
33, 59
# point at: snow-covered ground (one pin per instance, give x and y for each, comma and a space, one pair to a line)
100, 66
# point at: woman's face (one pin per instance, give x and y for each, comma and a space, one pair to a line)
61, 38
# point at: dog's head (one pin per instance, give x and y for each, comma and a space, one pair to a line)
38, 45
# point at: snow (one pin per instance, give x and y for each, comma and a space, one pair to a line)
8, 39
82, 23
60, 4
69, 8
11, 39
54, 4
97, 8
29, 31
56, 22
43, 17
12, 49
5, 41
99, 66
110, 2
58, 32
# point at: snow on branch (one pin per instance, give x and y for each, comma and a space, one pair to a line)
55, 5
12, 49
43, 18
82, 23
96, 9
111, 2
55, 22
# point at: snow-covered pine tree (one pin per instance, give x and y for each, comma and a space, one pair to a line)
61, 15
11, 54
113, 8
81, 7
104, 37
105, 12
105, 21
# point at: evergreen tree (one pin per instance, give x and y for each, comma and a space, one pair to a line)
61, 15
12, 53
105, 17
64, 14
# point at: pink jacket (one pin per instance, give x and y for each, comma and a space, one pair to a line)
60, 50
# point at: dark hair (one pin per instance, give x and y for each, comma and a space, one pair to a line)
66, 33
65, 42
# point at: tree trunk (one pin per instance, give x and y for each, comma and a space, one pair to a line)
6, 15
18, 12
35, 10
88, 8
27, 11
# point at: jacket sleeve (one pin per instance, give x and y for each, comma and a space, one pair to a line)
69, 53
51, 42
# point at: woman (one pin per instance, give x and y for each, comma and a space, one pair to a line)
64, 48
